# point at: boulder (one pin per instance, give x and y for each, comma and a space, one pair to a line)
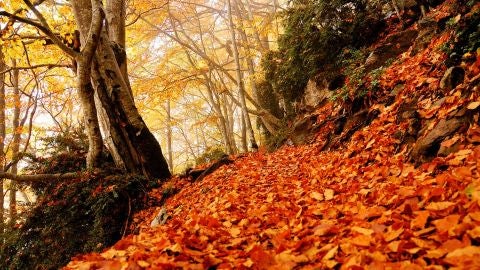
427, 28
394, 46
319, 90
427, 146
452, 77
303, 130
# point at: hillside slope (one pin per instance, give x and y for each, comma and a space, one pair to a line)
376, 201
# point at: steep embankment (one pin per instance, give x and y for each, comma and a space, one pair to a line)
362, 204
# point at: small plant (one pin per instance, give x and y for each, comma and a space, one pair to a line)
352, 62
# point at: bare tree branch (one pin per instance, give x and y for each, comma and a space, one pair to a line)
49, 66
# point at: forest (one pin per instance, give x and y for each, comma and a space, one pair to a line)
239, 134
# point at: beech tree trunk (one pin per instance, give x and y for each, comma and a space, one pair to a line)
2, 138
15, 143
169, 135
240, 83
133, 146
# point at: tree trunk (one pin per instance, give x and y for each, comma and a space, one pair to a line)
244, 134
15, 143
241, 85
221, 119
84, 16
139, 151
169, 135
2, 138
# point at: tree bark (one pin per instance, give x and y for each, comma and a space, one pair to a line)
139, 151
240, 83
15, 143
169, 135
2, 138
92, 19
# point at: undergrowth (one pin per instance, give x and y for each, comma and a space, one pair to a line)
72, 216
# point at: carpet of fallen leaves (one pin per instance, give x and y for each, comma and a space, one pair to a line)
361, 206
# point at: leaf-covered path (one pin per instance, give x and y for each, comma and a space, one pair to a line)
362, 205
297, 207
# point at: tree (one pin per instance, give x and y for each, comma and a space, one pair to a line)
2, 135
104, 87
240, 83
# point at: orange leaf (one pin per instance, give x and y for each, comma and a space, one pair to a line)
328, 193
392, 235
438, 206
261, 258
420, 220
361, 240
317, 196
447, 223
363, 231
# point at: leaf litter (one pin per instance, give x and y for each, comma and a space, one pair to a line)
303, 208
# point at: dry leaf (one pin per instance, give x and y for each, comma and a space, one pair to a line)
438, 206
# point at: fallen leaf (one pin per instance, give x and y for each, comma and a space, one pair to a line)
466, 251
361, 240
473, 105
143, 263
474, 233
393, 246
234, 231
330, 254
438, 206
392, 235
328, 193
420, 220
363, 231
317, 196
447, 223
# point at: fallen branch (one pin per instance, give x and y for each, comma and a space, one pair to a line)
39, 177
198, 175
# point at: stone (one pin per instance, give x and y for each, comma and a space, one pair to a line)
428, 145
315, 95
397, 89
427, 28
394, 46
303, 129
452, 77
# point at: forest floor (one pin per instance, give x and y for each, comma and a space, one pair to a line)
362, 205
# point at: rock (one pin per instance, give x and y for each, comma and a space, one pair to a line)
427, 28
395, 45
454, 59
303, 129
427, 146
397, 89
316, 93
160, 218
446, 150
452, 77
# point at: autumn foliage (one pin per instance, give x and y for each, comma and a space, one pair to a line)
363, 205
